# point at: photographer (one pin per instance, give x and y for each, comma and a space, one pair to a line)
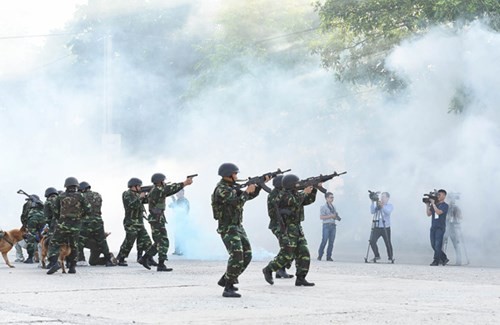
438, 211
382, 225
328, 214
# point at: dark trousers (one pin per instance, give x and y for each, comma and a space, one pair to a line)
437, 235
329, 231
386, 235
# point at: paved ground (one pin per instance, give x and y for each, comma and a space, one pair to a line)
345, 293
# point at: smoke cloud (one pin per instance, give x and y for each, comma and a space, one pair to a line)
273, 116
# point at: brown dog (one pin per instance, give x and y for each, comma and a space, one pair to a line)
8, 240
64, 252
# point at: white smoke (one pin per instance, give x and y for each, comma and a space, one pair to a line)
274, 117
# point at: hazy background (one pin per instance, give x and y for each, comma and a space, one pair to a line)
127, 93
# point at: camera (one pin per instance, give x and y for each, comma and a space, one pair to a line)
374, 196
431, 196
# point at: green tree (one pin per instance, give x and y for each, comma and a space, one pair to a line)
359, 34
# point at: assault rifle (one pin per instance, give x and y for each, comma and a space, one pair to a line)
261, 180
316, 180
148, 188
31, 198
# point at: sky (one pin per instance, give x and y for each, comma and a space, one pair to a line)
299, 118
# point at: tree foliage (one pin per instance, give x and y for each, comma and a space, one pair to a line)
358, 34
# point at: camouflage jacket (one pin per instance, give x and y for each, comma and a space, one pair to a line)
48, 209
272, 208
227, 204
291, 205
26, 211
156, 200
95, 201
134, 210
71, 207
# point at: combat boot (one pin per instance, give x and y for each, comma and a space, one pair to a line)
222, 283
301, 281
281, 274
139, 255
72, 269
229, 292
53, 265
144, 261
121, 261
162, 268
152, 262
109, 262
268, 275
29, 260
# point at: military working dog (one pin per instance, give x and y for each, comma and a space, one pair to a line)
8, 239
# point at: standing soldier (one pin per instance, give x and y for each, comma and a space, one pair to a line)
36, 222
227, 206
133, 200
276, 223
157, 221
24, 221
291, 207
93, 225
69, 209
48, 209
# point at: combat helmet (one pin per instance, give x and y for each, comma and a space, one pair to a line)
84, 186
227, 169
49, 191
277, 182
134, 182
157, 178
71, 181
289, 181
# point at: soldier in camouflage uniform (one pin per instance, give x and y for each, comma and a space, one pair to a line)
70, 208
156, 218
133, 223
291, 207
276, 223
227, 206
48, 209
24, 221
35, 224
93, 225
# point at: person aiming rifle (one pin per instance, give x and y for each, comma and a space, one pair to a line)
381, 211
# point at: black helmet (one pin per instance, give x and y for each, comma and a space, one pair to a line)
134, 182
71, 181
277, 182
84, 186
289, 181
227, 169
157, 178
49, 191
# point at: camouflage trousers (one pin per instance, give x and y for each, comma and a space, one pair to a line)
65, 233
92, 229
240, 252
133, 233
95, 253
160, 240
294, 247
35, 226
283, 241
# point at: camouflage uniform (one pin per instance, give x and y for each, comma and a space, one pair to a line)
92, 226
227, 205
133, 224
69, 209
48, 210
157, 220
24, 221
276, 223
291, 204
36, 222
